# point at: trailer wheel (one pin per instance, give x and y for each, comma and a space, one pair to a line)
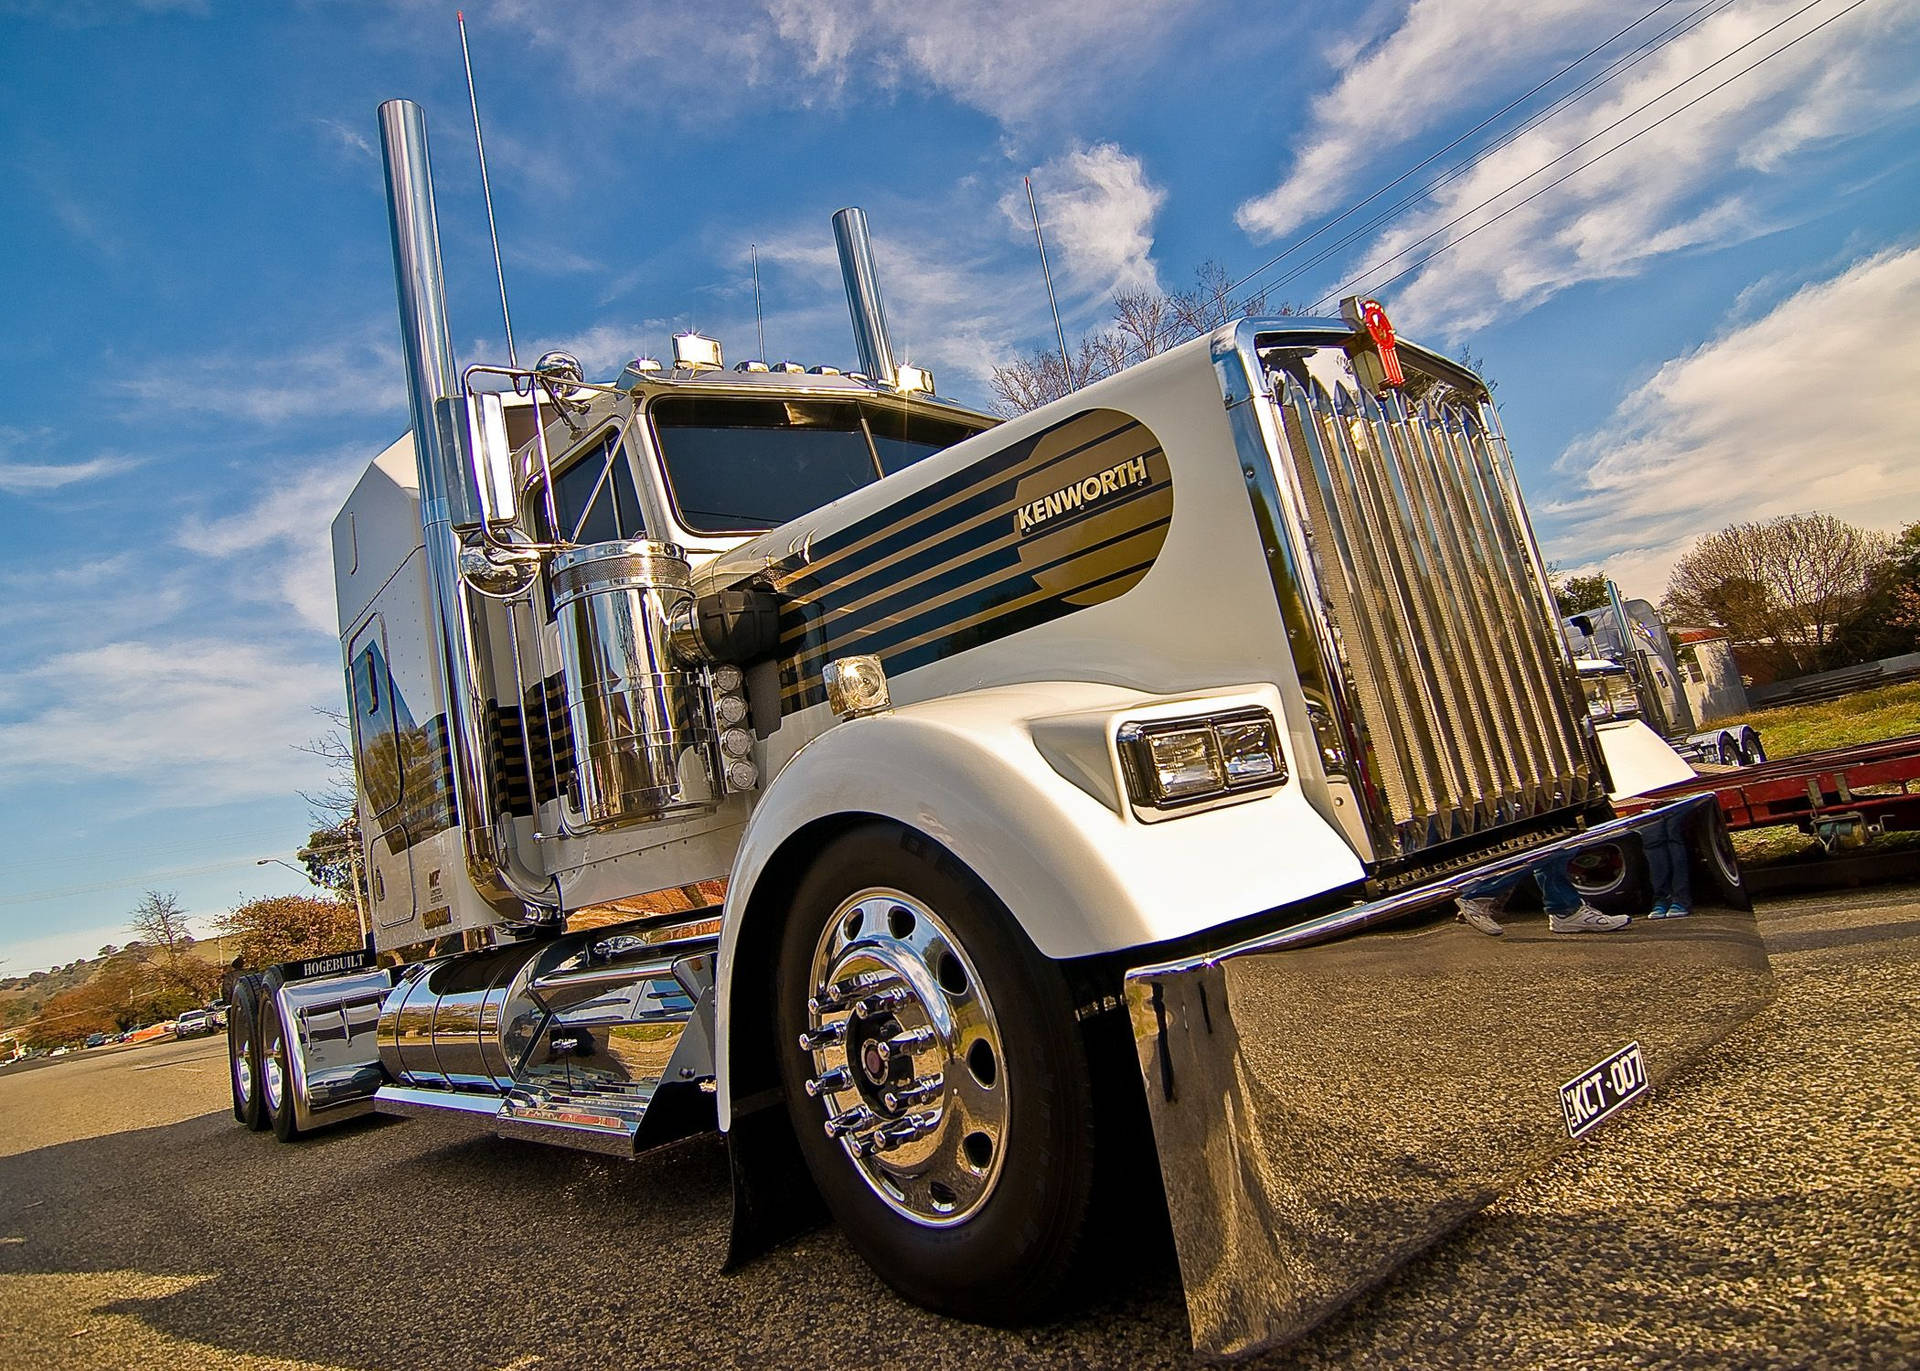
1752, 750
243, 1053
936, 1078
1612, 877
1716, 867
1726, 751
276, 1069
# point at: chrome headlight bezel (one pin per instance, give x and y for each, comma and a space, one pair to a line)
1213, 741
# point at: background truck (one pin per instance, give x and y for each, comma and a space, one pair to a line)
1072, 790
1631, 669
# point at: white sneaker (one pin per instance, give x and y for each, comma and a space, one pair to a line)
1586, 919
1480, 914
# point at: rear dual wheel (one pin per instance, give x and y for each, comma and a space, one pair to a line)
276, 1069
935, 1078
243, 1054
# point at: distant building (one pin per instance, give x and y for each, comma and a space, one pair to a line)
1710, 676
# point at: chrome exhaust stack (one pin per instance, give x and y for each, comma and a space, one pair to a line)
863, 296
449, 499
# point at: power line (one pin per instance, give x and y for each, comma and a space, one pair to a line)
1497, 114
1352, 281
1621, 65
131, 882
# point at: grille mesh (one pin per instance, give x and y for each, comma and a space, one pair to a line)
1454, 678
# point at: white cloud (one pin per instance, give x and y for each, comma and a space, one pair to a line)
38, 478
1012, 59
218, 718
1443, 54
1705, 178
348, 138
1811, 407
353, 376
1097, 210
283, 538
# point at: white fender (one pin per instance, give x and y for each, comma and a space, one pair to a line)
1080, 873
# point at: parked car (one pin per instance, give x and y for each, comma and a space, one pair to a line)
219, 1011
193, 1024
98, 1040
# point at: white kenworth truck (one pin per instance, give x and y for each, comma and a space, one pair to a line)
1090, 785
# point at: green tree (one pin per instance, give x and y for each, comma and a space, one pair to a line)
1578, 594
283, 928
1887, 622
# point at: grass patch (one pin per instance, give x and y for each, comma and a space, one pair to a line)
1868, 717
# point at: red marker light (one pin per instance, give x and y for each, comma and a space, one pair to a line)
1367, 316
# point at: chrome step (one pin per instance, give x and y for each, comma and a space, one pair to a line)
594, 1120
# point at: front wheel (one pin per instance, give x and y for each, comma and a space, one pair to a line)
935, 1078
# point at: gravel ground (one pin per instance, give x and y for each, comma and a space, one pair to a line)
1764, 1212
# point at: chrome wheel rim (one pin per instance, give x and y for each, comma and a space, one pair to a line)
906, 1058
243, 1078
275, 1072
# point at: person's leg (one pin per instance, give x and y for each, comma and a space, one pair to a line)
1557, 895
1659, 856
1667, 869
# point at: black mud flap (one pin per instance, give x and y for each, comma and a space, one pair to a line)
774, 1199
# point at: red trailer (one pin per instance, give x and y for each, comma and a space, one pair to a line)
1838, 796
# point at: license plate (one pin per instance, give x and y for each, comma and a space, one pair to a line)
1600, 1092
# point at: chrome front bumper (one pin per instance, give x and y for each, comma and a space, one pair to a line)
1331, 1098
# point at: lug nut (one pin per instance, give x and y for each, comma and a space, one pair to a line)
829, 1081
850, 1121
873, 1006
902, 1131
824, 1036
916, 1092
835, 996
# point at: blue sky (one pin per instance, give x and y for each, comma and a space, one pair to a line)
1714, 322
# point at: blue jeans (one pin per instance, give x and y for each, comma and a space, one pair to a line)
1667, 871
1557, 894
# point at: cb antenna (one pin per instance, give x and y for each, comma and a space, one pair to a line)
1066, 366
759, 326
486, 190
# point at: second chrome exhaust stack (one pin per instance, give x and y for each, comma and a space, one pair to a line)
863, 296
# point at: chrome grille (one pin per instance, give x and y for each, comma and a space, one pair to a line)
1460, 717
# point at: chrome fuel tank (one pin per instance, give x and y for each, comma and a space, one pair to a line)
643, 740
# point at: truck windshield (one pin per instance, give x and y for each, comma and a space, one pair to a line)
741, 465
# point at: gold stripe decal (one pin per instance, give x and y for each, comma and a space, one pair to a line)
1063, 519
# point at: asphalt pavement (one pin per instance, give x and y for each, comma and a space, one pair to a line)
1764, 1211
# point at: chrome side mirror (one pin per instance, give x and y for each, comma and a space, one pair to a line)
490, 456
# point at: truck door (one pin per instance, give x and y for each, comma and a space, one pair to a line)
376, 748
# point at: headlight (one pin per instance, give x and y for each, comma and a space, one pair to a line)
1180, 763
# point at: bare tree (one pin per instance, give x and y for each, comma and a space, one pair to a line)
1145, 323
332, 847
1781, 586
164, 940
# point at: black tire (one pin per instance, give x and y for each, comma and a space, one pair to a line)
1752, 750
1715, 866
243, 1054
276, 1069
1009, 1259
1726, 751
1612, 877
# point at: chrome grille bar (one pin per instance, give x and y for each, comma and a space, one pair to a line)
1432, 585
